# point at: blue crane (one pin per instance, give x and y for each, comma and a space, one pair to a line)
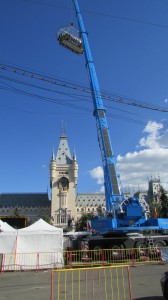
120, 213
112, 190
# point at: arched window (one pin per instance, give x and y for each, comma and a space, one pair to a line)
63, 184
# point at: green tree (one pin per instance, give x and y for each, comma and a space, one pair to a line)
154, 208
163, 203
47, 219
81, 224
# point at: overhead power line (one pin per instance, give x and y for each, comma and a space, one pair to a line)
75, 97
9, 87
48, 99
116, 98
63, 103
127, 19
42, 88
97, 13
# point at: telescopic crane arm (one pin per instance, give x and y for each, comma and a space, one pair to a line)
77, 42
111, 181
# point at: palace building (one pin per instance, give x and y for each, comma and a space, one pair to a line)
65, 205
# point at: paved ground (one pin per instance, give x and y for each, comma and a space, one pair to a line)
36, 285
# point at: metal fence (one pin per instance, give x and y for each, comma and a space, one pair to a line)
81, 258
103, 257
96, 283
32, 261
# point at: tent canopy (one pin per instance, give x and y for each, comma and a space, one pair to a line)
40, 227
5, 227
40, 237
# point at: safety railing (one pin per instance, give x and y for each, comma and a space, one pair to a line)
103, 257
80, 258
32, 261
95, 283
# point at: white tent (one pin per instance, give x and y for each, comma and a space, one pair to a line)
7, 238
4, 227
40, 237
38, 246
7, 244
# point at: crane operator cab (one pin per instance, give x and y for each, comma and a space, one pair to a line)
69, 38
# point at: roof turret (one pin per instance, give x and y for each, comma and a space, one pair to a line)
53, 156
74, 155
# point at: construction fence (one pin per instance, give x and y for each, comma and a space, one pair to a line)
94, 283
31, 261
103, 257
81, 258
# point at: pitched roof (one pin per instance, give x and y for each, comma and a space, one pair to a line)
25, 199
63, 156
40, 226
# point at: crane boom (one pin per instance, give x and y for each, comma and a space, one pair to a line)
111, 181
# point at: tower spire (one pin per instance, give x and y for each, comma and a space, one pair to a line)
63, 130
63, 155
74, 155
53, 156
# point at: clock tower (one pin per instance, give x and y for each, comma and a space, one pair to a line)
63, 182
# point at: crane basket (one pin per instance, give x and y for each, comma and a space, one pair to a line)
69, 38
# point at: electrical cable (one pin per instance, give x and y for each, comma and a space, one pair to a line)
60, 102
51, 90
113, 97
79, 97
98, 13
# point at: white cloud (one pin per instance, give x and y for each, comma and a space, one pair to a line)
97, 173
166, 100
102, 189
137, 167
152, 138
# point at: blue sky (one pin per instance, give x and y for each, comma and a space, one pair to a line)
129, 45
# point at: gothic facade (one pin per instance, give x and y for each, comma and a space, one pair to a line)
63, 182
